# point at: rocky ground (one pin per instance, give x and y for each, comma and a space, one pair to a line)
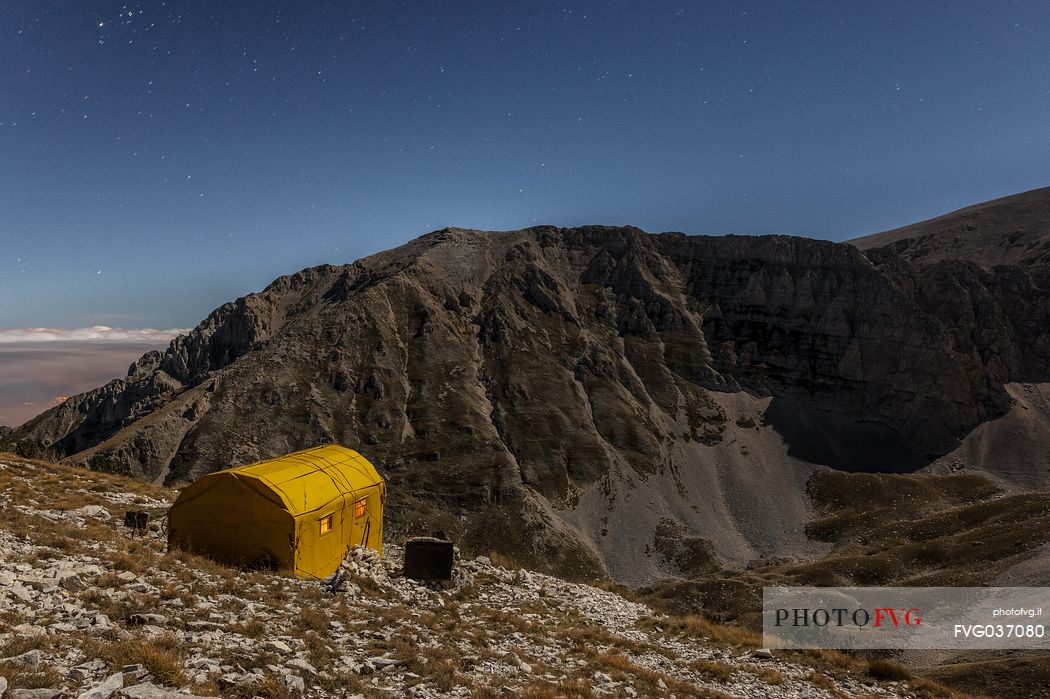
86, 611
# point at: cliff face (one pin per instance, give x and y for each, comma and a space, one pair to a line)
529, 390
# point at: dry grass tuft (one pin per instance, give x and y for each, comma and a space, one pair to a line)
887, 670
712, 670
566, 689
486, 692
441, 666
24, 644
252, 628
819, 679
504, 561
163, 656
697, 626
319, 651
770, 676
21, 677
311, 619
929, 689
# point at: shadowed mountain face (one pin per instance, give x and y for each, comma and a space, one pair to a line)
561, 394
984, 271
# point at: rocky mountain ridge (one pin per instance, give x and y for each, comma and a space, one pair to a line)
582, 390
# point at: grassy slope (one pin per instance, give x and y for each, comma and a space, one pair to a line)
958, 530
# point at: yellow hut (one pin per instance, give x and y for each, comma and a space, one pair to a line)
298, 512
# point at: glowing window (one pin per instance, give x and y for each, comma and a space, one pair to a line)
326, 523
359, 509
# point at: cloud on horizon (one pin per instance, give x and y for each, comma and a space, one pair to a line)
40, 367
96, 333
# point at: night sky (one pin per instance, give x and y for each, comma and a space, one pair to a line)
158, 159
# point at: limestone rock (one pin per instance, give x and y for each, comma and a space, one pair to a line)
110, 686
300, 664
29, 659
148, 690
294, 683
277, 647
